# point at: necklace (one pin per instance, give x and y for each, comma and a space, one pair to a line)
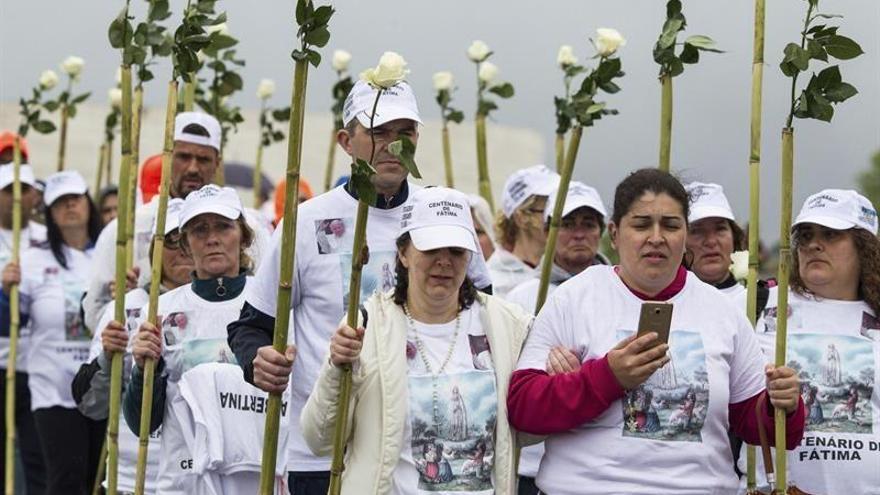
424, 355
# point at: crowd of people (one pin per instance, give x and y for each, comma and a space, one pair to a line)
461, 383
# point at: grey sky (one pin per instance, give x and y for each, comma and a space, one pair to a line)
710, 136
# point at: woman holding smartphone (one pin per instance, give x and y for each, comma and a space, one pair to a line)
640, 416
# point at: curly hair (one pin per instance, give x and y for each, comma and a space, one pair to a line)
245, 263
467, 293
868, 249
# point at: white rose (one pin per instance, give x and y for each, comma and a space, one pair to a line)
115, 97
265, 89
478, 51
488, 72
221, 28
48, 79
341, 58
566, 56
443, 81
739, 265
72, 66
390, 71
608, 41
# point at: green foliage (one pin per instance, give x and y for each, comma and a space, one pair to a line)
31, 110
151, 40
313, 30
447, 112
361, 178
268, 117
340, 91
869, 181
664, 50
191, 37
581, 108
405, 151
827, 88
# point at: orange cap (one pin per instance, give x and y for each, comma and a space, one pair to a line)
151, 177
7, 141
305, 192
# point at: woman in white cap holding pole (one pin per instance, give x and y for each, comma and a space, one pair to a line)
713, 236
53, 279
432, 359
834, 338
519, 229
91, 386
192, 336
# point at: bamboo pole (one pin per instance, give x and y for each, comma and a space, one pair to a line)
128, 215
119, 304
553, 234
331, 160
560, 152
14, 321
665, 121
447, 157
189, 93
258, 164
755, 196
102, 164
62, 144
483, 162
155, 279
782, 304
102, 468
360, 253
288, 245
108, 160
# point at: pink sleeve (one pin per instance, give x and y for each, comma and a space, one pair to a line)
744, 422
541, 404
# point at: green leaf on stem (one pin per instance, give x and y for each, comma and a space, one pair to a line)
456, 116
840, 92
318, 37
313, 57
690, 54
828, 77
609, 87
816, 50
361, 174
702, 42
797, 56
486, 106
676, 67
405, 151
120, 30
44, 126
842, 48
51, 106
504, 90
81, 98
281, 114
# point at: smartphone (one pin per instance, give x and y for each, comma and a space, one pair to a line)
656, 317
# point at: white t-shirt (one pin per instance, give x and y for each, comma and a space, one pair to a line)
835, 346
32, 236
105, 250
507, 271
193, 332
128, 441
734, 291
450, 449
669, 436
228, 424
320, 293
51, 296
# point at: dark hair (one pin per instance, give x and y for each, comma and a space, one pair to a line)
740, 239
196, 130
648, 180
110, 190
467, 293
56, 241
868, 249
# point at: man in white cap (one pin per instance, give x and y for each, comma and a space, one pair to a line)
577, 248
32, 234
713, 236
320, 280
520, 233
194, 162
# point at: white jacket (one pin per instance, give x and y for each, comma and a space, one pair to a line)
379, 406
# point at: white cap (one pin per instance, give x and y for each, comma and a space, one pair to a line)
537, 180
172, 216
25, 175
439, 217
210, 124
579, 195
839, 209
223, 201
64, 183
397, 102
708, 201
